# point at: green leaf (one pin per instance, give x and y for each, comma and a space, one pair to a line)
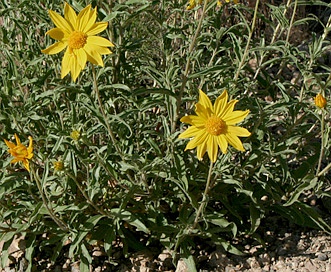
130, 219
308, 183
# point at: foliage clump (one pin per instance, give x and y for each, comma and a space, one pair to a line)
107, 164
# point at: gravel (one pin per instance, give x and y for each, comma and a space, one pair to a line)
287, 248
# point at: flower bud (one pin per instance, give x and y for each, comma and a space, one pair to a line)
320, 101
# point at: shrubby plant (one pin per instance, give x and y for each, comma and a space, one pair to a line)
99, 157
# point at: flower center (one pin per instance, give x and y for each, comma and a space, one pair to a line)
215, 125
77, 40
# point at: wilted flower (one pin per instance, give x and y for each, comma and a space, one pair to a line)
214, 126
20, 152
77, 34
75, 135
320, 101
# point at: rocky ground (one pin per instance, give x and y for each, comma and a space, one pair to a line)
287, 248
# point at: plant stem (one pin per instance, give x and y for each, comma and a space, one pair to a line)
89, 201
58, 221
187, 67
322, 143
111, 134
204, 200
251, 31
274, 36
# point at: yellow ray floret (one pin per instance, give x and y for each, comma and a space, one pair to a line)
20, 152
214, 126
76, 34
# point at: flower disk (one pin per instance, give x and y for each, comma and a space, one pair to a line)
20, 152
76, 34
214, 126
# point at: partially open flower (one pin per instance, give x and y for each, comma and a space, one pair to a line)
20, 152
75, 135
58, 165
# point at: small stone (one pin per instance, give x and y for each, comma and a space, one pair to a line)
75, 267
181, 266
310, 267
98, 253
322, 256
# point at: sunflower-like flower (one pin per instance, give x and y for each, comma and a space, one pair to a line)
214, 126
77, 33
20, 152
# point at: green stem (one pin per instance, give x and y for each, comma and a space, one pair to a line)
274, 36
89, 201
187, 67
111, 134
322, 144
251, 31
58, 221
204, 200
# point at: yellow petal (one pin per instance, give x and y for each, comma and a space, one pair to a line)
54, 48
60, 22
212, 148
235, 117
97, 28
193, 120
9, 144
222, 143
96, 40
238, 131
200, 137
75, 68
91, 20
15, 160
83, 17
93, 55
189, 133
65, 67
70, 15
18, 141
26, 165
204, 100
103, 50
228, 109
201, 150
234, 141
30, 148
56, 34
81, 57
221, 103
202, 112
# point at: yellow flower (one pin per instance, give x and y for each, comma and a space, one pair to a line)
77, 34
220, 3
58, 165
20, 152
320, 101
193, 4
214, 126
75, 135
